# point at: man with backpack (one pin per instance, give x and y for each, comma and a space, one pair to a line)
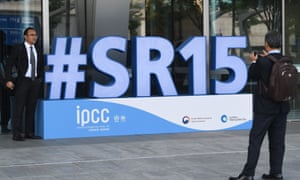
270, 116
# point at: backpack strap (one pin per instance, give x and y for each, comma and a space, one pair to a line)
283, 58
272, 58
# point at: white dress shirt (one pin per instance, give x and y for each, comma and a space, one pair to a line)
28, 72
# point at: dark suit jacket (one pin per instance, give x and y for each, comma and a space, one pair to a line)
261, 71
19, 59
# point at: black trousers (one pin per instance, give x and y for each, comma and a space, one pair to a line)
25, 100
275, 126
5, 105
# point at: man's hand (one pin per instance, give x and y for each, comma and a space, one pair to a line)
263, 53
10, 85
253, 57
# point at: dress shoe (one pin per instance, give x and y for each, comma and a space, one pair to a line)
272, 176
241, 177
32, 136
18, 137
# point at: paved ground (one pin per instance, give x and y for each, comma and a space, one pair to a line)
190, 156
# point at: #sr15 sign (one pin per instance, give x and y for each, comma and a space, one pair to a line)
66, 58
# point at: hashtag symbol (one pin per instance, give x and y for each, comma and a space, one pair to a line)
64, 68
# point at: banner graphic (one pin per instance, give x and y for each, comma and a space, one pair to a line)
149, 115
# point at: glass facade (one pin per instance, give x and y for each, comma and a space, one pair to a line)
251, 19
245, 18
292, 44
175, 20
15, 16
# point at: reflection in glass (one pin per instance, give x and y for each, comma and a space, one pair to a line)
175, 20
252, 19
292, 45
15, 16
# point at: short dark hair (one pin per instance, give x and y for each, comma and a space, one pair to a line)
273, 39
27, 29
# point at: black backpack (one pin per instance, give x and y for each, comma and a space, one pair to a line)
283, 80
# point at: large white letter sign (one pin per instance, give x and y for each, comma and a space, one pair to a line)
144, 65
64, 62
195, 49
236, 66
98, 53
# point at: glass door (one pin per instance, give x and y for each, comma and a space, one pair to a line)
292, 45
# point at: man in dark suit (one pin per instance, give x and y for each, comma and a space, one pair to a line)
269, 116
28, 60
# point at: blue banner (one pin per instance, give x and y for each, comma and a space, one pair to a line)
130, 116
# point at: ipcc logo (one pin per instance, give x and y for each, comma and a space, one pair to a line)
93, 116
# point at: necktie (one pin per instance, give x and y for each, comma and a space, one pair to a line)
32, 62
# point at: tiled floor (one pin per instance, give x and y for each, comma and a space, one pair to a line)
189, 156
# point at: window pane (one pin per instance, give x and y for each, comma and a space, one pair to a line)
252, 19
175, 20
15, 16
62, 18
292, 45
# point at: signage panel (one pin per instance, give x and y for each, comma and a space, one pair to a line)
147, 115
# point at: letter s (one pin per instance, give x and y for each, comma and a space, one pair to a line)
98, 53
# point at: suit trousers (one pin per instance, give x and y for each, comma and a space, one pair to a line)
5, 106
275, 126
25, 100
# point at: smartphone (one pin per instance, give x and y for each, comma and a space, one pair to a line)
258, 53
